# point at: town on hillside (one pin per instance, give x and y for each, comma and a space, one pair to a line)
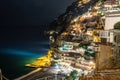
84, 43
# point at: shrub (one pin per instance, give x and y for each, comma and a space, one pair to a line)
117, 25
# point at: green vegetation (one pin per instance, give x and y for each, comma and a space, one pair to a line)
73, 75
117, 25
68, 78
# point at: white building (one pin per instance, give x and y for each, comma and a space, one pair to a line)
111, 36
105, 35
115, 37
111, 19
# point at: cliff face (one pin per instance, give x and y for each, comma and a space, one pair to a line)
76, 9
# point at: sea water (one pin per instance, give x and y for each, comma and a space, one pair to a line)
13, 59
18, 48
22, 45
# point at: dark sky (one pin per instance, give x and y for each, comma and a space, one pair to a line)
31, 12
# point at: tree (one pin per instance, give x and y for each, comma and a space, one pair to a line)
117, 25
68, 78
74, 74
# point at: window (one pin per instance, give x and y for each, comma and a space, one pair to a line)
114, 38
119, 52
118, 39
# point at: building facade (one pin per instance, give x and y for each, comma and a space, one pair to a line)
111, 19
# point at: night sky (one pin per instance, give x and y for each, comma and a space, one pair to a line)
31, 12
21, 29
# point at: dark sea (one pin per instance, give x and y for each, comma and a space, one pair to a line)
22, 37
20, 46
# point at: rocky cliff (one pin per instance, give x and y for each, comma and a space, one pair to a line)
76, 9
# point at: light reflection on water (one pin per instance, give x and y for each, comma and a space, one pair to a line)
19, 53
14, 57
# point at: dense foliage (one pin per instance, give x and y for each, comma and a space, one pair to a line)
117, 25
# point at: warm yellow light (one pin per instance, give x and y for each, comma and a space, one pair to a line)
91, 62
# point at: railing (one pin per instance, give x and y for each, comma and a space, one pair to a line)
0, 74
2, 77
52, 78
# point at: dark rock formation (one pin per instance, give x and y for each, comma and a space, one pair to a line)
72, 11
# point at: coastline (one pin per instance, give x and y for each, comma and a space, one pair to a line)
41, 61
